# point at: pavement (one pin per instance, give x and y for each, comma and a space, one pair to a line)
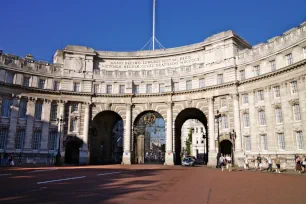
147, 184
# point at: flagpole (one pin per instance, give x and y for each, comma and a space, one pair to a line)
153, 37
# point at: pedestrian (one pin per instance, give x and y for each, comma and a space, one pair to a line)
298, 164
259, 164
277, 162
229, 162
303, 163
222, 162
295, 156
269, 160
246, 163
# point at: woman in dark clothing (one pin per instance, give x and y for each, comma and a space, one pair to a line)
298, 164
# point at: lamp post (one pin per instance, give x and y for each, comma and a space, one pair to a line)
60, 121
205, 158
217, 118
233, 138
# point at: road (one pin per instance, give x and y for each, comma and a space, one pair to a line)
147, 184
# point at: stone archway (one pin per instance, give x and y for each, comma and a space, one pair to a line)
106, 139
184, 115
149, 138
226, 147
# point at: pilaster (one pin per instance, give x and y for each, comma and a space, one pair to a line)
45, 125
126, 158
30, 123
169, 158
13, 124
212, 155
84, 153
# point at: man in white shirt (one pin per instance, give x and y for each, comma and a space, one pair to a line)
269, 163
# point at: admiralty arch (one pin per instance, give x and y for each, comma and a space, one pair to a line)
96, 107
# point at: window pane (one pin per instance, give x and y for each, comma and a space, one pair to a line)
188, 85
279, 116
300, 140
176, 86
6, 108
19, 139
246, 120
296, 112
56, 85
264, 142
53, 115
76, 87
109, 89
74, 107
201, 83
26, 81
122, 89
242, 75
38, 111
10, 77
273, 65
247, 143
36, 140
281, 141
149, 88
289, 59
161, 88
219, 78
260, 95
3, 137
52, 140
276, 91
293, 85
257, 70
136, 89
23, 108
245, 99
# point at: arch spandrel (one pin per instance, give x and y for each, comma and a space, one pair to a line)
140, 108
120, 109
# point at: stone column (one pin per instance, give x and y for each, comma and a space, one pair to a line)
169, 159
126, 158
84, 153
30, 124
13, 125
46, 108
61, 108
212, 153
237, 122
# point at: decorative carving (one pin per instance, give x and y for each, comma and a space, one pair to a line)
149, 118
294, 101
78, 63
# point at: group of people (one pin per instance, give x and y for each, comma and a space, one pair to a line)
300, 163
7, 160
226, 161
258, 163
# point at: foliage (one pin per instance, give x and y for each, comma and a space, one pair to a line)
189, 142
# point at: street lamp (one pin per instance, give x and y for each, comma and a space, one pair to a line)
217, 118
233, 138
60, 121
205, 158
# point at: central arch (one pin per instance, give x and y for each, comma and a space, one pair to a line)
184, 115
106, 140
149, 138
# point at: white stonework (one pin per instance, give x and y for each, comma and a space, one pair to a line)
210, 76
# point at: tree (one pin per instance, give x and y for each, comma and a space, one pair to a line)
189, 142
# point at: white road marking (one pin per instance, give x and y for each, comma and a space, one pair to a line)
43, 170
108, 173
5, 174
66, 179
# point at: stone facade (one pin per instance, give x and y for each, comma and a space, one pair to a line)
259, 91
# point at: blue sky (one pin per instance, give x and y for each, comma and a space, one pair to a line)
40, 27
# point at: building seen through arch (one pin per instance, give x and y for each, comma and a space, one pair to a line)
100, 107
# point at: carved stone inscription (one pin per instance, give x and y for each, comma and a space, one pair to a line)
151, 63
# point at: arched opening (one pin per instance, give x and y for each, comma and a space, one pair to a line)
182, 117
106, 139
72, 149
226, 147
149, 138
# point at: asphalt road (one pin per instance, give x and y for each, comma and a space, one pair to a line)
147, 184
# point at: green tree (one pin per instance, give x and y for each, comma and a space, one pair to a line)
189, 142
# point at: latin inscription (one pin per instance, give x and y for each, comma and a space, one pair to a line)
154, 63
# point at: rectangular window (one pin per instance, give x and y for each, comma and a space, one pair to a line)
245, 98
176, 86
296, 112
242, 74
74, 107
56, 85
246, 120
36, 140
26, 81
6, 108
73, 125
304, 52
202, 83
53, 112
96, 88
23, 108
273, 65
219, 78
224, 122
122, 89
223, 102
196, 130
41, 83
262, 117
281, 141
276, 90
9, 77
300, 140
52, 140
149, 88
256, 70
247, 140
294, 88
289, 59
260, 95
76, 86
3, 137
188, 85
161, 88
202, 130
264, 142
109, 89
38, 111
19, 139
278, 115
136, 89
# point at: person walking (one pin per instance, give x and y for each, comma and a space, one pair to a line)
246, 163
303, 163
229, 162
298, 164
222, 162
277, 162
269, 160
259, 164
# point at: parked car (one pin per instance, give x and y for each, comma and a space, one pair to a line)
188, 161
